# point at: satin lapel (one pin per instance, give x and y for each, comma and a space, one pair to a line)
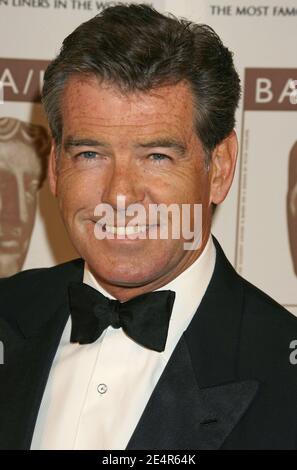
179, 415
200, 397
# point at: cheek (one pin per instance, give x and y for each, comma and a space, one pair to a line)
193, 189
190, 184
201, 186
78, 193
170, 188
70, 197
78, 189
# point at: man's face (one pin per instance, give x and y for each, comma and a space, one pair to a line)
20, 172
140, 146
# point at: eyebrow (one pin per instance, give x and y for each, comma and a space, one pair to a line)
162, 142
71, 142
165, 143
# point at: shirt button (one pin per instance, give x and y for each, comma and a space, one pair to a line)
102, 388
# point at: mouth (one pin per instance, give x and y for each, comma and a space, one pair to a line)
124, 232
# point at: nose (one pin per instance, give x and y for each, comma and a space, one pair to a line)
124, 182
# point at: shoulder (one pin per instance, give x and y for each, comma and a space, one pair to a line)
266, 333
26, 286
268, 336
262, 309
29, 276
259, 310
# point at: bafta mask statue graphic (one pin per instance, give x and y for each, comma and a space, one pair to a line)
292, 205
24, 148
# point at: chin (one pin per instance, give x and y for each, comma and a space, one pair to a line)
128, 265
126, 278
126, 274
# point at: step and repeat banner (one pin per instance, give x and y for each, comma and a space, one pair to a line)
257, 224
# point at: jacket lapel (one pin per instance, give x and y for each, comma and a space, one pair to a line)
179, 415
200, 397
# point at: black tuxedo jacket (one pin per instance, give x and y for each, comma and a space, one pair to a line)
229, 383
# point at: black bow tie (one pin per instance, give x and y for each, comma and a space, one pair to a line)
144, 318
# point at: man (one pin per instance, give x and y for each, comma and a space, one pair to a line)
24, 149
160, 347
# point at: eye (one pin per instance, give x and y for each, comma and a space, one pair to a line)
159, 157
88, 155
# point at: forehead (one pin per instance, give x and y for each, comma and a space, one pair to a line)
92, 103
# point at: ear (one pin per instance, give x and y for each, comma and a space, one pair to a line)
223, 165
53, 169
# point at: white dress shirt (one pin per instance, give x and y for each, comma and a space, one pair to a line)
96, 393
